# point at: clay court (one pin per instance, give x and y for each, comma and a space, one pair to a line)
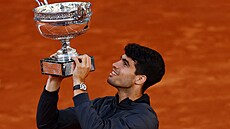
193, 37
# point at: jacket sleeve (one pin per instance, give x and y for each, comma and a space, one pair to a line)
89, 119
49, 117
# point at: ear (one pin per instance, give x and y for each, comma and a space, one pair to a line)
140, 79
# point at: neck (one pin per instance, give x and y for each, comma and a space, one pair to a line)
128, 93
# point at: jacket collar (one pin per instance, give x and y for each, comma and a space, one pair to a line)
128, 102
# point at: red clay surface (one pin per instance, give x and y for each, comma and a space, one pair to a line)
193, 37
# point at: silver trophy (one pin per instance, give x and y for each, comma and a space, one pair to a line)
62, 21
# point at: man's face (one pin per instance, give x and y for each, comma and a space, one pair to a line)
123, 73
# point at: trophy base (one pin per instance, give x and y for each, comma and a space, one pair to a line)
51, 66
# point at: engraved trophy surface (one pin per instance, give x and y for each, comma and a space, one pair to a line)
62, 21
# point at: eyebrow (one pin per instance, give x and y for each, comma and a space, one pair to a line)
125, 60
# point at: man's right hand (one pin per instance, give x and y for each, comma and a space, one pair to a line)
53, 83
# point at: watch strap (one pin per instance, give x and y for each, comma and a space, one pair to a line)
80, 86
76, 87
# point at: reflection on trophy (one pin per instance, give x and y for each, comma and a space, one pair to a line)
62, 21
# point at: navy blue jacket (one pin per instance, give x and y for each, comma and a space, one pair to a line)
101, 113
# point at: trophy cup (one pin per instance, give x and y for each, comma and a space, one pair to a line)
62, 21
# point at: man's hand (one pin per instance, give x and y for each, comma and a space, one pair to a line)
53, 83
82, 68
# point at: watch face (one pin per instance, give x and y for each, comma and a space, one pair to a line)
82, 86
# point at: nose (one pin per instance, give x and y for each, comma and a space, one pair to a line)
116, 64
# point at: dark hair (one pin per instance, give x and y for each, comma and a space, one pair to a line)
148, 62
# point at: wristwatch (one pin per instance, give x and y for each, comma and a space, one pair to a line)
80, 86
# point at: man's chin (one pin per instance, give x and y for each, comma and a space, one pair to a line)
109, 80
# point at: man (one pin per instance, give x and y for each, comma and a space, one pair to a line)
139, 68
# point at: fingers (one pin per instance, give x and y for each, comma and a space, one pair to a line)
82, 68
76, 59
52, 55
88, 63
82, 60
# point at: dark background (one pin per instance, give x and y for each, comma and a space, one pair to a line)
192, 36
